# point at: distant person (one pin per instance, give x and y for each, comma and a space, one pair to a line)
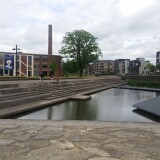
57, 78
52, 77
42, 76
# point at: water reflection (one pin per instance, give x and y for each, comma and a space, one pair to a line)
110, 105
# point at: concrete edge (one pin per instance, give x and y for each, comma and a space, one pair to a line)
76, 123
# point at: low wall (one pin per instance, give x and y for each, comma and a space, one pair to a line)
150, 79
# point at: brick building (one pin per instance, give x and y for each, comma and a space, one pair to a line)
29, 64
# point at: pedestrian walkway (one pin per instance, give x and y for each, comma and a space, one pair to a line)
78, 140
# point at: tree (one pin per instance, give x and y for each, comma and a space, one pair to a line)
151, 67
53, 67
82, 47
70, 67
130, 69
158, 67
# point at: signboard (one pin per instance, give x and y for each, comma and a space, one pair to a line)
9, 62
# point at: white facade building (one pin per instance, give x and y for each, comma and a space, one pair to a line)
143, 69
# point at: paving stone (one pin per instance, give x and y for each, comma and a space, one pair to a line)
97, 151
47, 135
10, 131
150, 149
63, 144
22, 151
89, 144
1, 129
51, 153
38, 143
6, 142
102, 130
121, 146
74, 140
23, 137
93, 137
55, 129
103, 158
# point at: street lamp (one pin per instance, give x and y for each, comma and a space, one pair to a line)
16, 56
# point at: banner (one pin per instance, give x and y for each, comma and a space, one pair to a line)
9, 62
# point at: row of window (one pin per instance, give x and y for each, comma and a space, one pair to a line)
43, 66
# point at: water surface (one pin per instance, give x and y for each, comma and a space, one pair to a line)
110, 105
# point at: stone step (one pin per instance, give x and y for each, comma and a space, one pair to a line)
12, 90
48, 90
56, 96
22, 100
18, 95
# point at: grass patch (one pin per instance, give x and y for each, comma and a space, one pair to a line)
143, 84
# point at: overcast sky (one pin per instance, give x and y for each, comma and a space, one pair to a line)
124, 28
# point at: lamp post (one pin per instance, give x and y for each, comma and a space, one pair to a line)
16, 56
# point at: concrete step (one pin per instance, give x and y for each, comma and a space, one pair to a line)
48, 90
56, 96
22, 100
18, 95
12, 90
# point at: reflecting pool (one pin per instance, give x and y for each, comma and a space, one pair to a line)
110, 105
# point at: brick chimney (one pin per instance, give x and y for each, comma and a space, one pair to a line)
50, 39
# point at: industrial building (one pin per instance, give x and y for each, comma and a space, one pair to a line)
26, 64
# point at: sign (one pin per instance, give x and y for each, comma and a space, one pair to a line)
9, 62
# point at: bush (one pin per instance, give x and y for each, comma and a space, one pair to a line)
143, 84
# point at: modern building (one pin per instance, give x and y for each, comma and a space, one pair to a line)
103, 67
121, 66
158, 58
139, 66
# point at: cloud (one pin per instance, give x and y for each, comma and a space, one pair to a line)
125, 29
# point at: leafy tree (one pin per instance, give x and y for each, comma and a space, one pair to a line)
151, 67
70, 67
82, 47
53, 67
130, 69
158, 67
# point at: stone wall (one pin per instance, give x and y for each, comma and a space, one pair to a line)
151, 79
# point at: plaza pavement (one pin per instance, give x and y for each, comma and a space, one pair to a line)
78, 140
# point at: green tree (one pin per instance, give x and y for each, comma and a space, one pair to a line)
130, 69
158, 67
53, 67
151, 67
82, 47
70, 67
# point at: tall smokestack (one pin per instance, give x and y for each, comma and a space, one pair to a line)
50, 39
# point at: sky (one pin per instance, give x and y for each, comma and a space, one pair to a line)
124, 28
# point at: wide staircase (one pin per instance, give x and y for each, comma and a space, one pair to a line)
17, 94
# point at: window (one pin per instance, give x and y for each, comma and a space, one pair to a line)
45, 58
36, 66
29, 60
36, 73
1, 72
37, 58
44, 66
